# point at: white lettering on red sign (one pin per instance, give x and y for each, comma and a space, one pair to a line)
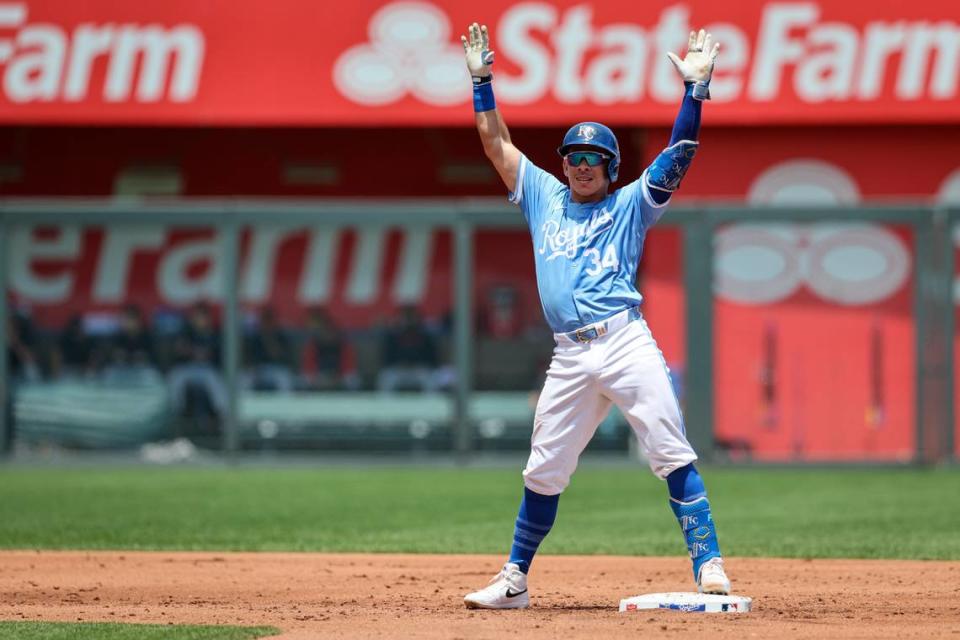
62, 250
255, 283
316, 279
847, 264
46, 265
176, 280
825, 57
144, 63
796, 51
113, 268
853, 264
409, 51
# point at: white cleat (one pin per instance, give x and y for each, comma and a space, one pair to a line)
713, 579
507, 590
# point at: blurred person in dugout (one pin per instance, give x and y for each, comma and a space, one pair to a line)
268, 356
131, 350
21, 350
196, 372
409, 355
21, 366
501, 317
75, 354
329, 362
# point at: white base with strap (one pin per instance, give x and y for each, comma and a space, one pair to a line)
687, 601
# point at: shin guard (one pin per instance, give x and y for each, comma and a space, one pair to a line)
698, 530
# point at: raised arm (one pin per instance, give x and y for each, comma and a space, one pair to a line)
490, 125
667, 170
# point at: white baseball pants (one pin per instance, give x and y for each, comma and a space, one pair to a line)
623, 367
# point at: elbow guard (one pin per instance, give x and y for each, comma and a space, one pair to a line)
671, 165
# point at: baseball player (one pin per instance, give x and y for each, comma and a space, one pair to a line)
587, 241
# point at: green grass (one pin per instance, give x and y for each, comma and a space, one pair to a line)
114, 631
880, 513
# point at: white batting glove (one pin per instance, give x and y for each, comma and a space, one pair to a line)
477, 52
697, 65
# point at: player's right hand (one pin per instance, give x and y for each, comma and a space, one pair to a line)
477, 51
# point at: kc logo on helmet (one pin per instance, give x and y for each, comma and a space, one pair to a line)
587, 132
409, 52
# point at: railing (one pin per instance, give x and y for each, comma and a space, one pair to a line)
452, 420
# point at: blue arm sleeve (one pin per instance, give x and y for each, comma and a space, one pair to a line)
686, 127
687, 124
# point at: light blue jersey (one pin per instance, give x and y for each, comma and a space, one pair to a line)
586, 253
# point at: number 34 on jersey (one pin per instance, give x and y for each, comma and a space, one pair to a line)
597, 264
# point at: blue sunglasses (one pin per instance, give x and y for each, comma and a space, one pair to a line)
593, 158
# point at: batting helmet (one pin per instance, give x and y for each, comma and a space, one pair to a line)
596, 135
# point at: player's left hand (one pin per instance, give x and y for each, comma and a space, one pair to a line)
697, 65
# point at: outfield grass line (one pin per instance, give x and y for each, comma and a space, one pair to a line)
38, 630
759, 512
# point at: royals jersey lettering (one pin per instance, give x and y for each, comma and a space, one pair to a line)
586, 253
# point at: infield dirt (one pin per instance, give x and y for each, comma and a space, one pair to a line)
420, 596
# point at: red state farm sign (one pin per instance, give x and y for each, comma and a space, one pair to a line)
132, 63
250, 63
365, 271
360, 273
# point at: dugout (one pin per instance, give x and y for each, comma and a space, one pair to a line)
264, 107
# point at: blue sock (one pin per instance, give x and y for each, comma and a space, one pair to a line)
688, 499
685, 484
536, 516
